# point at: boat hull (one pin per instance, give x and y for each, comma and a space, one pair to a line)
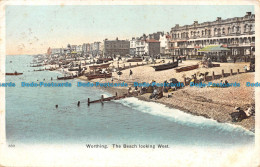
99, 76
93, 67
187, 68
165, 66
13, 73
135, 60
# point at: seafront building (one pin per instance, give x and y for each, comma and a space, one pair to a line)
236, 34
140, 46
116, 47
133, 46
152, 47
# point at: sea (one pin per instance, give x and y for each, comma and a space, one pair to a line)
31, 115
32, 118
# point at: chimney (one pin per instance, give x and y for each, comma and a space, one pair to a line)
117, 38
218, 18
248, 13
176, 25
195, 22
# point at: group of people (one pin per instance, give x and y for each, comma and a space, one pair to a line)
157, 93
119, 73
240, 114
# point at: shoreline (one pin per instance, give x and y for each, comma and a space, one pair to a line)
187, 100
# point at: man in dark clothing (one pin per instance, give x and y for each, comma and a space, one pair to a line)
130, 74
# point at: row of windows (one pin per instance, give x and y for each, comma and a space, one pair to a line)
217, 31
117, 46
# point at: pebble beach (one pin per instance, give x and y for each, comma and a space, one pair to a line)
212, 103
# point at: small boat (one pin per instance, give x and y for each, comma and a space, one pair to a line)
39, 70
38, 65
15, 73
166, 66
215, 65
93, 67
74, 69
94, 76
187, 68
103, 60
135, 60
67, 77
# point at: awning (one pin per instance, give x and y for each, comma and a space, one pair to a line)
213, 48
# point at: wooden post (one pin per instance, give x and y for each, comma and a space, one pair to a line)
88, 101
204, 77
102, 98
237, 71
184, 80
231, 72
223, 73
130, 65
116, 94
213, 75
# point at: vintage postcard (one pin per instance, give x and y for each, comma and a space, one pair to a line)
129, 83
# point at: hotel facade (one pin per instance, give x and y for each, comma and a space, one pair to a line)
236, 34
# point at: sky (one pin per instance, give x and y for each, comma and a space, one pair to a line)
33, 29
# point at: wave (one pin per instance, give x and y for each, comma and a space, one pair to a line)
180, 117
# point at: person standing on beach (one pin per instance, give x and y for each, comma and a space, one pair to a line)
245, 68
130, 74
119, 73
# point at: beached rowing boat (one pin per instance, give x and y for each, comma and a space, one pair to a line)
165, 66
105, 59
187, 68
66, 78
74, 69
135, 60
93, 67
94, 76
215, 65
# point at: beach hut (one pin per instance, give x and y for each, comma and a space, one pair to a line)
215, 52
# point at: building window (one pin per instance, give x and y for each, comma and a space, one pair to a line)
223, 30
238, 29
215, 31
234, 29
246, 28
229, 30
250, 28
219, 31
